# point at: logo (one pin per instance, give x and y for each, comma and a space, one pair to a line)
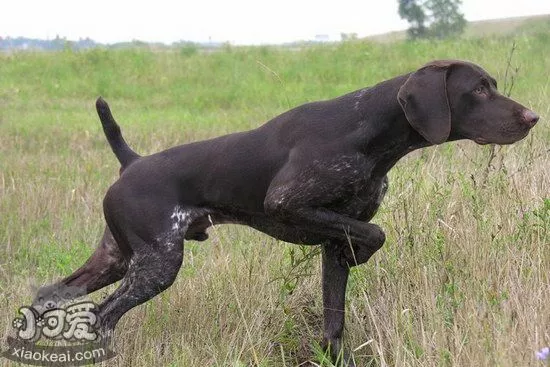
58, 329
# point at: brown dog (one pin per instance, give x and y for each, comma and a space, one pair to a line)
313, 175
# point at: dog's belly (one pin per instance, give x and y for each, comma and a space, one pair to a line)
362, 205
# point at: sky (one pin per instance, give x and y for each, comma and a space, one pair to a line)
234, 21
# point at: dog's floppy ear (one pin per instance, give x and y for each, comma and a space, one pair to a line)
424, 100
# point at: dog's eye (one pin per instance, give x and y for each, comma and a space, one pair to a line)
479, 90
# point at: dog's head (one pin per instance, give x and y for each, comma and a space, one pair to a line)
459, 100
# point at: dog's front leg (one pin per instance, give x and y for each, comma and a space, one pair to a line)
338, 257
335, 279
346, 242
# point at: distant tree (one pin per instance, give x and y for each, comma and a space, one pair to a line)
348, 36
413, 12
447, 20
443, 16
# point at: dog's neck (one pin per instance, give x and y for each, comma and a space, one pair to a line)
388, 142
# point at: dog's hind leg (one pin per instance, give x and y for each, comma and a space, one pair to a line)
149, 274
155, 238
107, 265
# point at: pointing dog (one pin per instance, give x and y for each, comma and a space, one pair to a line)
314, 175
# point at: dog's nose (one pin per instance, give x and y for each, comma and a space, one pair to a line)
530, 118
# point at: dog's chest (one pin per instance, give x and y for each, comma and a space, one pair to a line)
355, 190
363, 202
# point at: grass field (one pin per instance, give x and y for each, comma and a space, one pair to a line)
463, 279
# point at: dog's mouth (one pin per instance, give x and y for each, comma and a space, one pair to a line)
521, 134
510, 136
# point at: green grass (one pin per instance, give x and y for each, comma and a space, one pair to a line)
461, 281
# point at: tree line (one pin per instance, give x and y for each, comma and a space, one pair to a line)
432, 18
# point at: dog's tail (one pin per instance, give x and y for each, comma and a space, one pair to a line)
123, 152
